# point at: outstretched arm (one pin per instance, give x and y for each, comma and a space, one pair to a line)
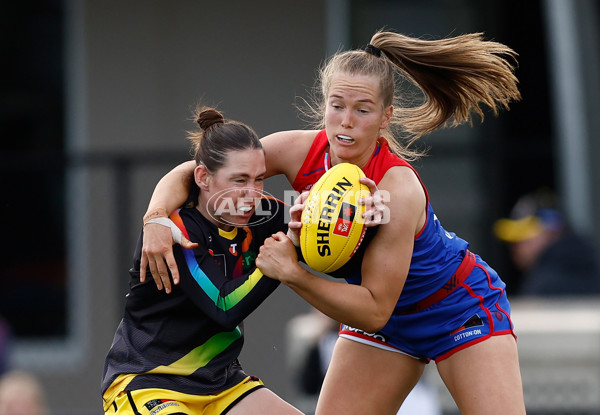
157, 251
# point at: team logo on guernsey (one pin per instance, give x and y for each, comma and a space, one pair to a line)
498, 315
219, 259
345, 219
232, 249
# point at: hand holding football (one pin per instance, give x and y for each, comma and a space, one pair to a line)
332, 222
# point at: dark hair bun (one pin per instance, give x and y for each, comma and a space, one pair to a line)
209, 117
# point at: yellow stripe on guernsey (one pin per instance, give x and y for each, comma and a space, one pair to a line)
228, 234
188, 364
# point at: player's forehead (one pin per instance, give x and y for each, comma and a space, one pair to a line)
361, 88
246, 162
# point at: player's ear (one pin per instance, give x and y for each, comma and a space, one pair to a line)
387, 117
201, 177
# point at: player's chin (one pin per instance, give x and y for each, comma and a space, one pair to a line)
346, 153
241, 219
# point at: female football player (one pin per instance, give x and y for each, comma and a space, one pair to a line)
178, 353
414, 292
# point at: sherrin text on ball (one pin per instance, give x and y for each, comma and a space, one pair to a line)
332, 222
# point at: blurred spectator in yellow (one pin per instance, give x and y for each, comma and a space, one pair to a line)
21, 394
552, 258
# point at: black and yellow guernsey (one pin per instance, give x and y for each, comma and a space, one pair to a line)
189, 341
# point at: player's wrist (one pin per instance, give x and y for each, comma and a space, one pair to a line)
155, 213
295, 275
293, 236
166, 222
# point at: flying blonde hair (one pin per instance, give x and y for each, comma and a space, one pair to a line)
454, 76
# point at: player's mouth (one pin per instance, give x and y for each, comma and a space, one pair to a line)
344, 139
245, 210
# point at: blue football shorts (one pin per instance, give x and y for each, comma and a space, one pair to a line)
475, 310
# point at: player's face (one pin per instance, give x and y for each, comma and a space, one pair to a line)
527, 252
229, 196
354, 117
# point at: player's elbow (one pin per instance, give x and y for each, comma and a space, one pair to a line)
376, 315
227, 320
370, 328
375, 322
228, 324
379, 325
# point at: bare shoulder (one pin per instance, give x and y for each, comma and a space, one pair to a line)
407, 202
286, 150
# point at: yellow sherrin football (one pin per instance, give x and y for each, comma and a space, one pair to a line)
332, 222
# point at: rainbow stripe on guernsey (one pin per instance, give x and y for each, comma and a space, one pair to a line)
185, 366
230, 300
201, 355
